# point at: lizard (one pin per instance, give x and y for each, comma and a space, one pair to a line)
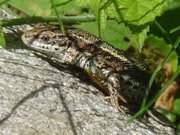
110, 68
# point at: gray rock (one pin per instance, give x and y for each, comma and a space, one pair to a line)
38, 99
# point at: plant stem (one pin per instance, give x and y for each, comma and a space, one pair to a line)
58, 17
39, 19
163, 31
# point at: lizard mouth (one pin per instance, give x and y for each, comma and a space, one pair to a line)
35, 44
27, 40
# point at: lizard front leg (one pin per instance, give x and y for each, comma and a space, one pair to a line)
114, 89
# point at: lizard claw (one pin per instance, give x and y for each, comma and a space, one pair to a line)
117, 102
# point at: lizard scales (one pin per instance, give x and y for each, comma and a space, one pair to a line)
109, 68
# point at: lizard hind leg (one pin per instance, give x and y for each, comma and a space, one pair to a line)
118, 101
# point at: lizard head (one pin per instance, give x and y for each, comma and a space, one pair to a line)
45, 40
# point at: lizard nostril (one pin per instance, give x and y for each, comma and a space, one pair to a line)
53, 42
56, 49
26, 35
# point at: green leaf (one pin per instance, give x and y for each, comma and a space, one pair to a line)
2, 40
172, 4
114, 33
139, 38
94, 6
138, 12
111, 11
83, 3
3, 2
176, 106
33, 7
164, 48
178, 127
71, 7
142, 37
170, 116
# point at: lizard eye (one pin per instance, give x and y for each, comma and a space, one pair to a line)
45, 38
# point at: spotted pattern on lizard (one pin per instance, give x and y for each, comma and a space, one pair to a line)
111, 69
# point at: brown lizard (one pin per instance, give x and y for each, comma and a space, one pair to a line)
111, 69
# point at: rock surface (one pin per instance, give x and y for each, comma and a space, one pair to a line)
38, 99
